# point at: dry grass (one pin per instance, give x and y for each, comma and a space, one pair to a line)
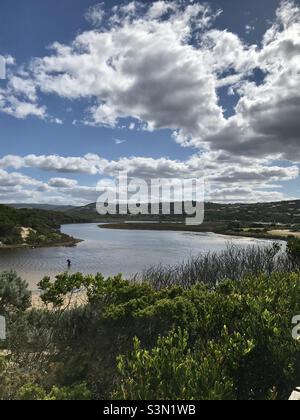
284, 233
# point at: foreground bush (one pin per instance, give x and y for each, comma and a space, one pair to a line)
233, 263
230, 341
172, 371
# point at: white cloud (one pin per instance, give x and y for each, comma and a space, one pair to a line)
162, 64
88, 164
266, 122
24, 87
12, 105
245, 195
159, 8
144, 66
15, 179
132, 126
19, 97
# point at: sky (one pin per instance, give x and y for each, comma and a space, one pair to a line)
160, 89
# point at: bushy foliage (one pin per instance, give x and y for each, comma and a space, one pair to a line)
21, 384
171, 371
241, 331
14, 293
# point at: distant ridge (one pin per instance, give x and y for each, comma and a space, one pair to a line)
285, 212
52, 207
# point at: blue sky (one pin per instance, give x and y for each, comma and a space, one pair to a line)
62, 129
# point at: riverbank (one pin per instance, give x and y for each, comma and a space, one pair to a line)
204, 228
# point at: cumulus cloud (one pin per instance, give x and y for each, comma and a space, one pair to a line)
162, 64
143, 65
19, 97
245, 195
12, 105
14, 179
88, 164
266, 122
95, 14
214, 164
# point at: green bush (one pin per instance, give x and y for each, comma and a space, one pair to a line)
31, 392
248, 324
171, 371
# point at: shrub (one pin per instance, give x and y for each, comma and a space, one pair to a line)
242, 334
14, 294
247, 322
293, 251
171, 371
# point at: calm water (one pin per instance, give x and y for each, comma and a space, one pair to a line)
113, 251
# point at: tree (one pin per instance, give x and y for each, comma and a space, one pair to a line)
14, 293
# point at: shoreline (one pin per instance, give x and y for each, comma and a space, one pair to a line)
177, 227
